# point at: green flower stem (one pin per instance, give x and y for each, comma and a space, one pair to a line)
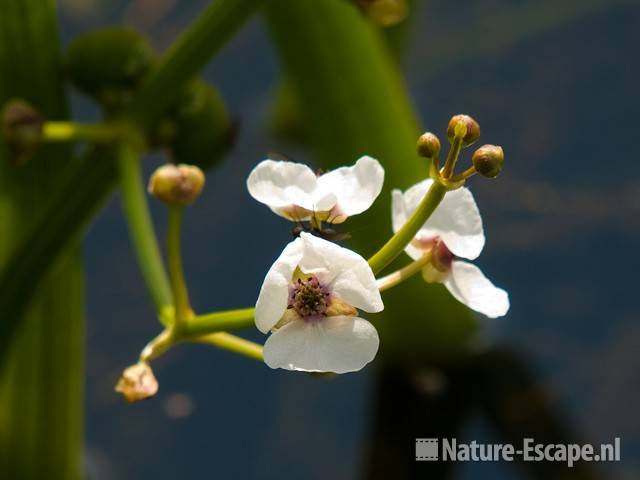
71, 131
204, 37
469, 172
176, 274
232, 343
171, 336
141, 229
156, 347
399, 276
219, 321
402, 237
452, 158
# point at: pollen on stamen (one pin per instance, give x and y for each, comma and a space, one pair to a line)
309, 298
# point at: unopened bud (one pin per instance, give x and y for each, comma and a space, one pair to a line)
385, 13
176, 184
488, 160
428, 145
472, 129
137, 383
22, 129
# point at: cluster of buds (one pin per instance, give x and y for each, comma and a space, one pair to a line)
462, 131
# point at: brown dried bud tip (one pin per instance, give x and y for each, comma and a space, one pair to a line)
428, 145
384, 12
472, 129
176, 184
488, 160
137, 383
22, 129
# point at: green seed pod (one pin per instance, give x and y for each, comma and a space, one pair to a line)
198, 131
109, 64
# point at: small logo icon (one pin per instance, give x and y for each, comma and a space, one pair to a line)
426, 449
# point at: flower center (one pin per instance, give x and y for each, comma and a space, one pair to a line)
309, 297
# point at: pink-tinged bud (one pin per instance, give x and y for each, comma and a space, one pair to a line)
137, 383
488, 160
428, 145
472, 129
176, 184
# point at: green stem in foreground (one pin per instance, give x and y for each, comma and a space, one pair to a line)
219, 321
176, 273
402, 237
399, 276
136, 211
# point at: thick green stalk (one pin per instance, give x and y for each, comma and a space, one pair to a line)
355, 103
75, 198
136, 210
41, 378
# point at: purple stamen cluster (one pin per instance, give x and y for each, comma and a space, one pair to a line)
309, 298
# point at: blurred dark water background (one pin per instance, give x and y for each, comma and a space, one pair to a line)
556, 84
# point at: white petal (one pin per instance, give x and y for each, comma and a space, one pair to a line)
280, 184
335, 344
274, 293
355, 187
456, 220
469, 286
347, 273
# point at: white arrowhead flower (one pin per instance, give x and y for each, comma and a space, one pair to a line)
454, 230
308, 301
294, 191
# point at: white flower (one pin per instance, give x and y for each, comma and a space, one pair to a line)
294, 191
309, 299
453, 230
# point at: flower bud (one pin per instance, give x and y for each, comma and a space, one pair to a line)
428, 145
137, 383
472, 129
385, 13
488, 160
21, 129
176, 184
109, 64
